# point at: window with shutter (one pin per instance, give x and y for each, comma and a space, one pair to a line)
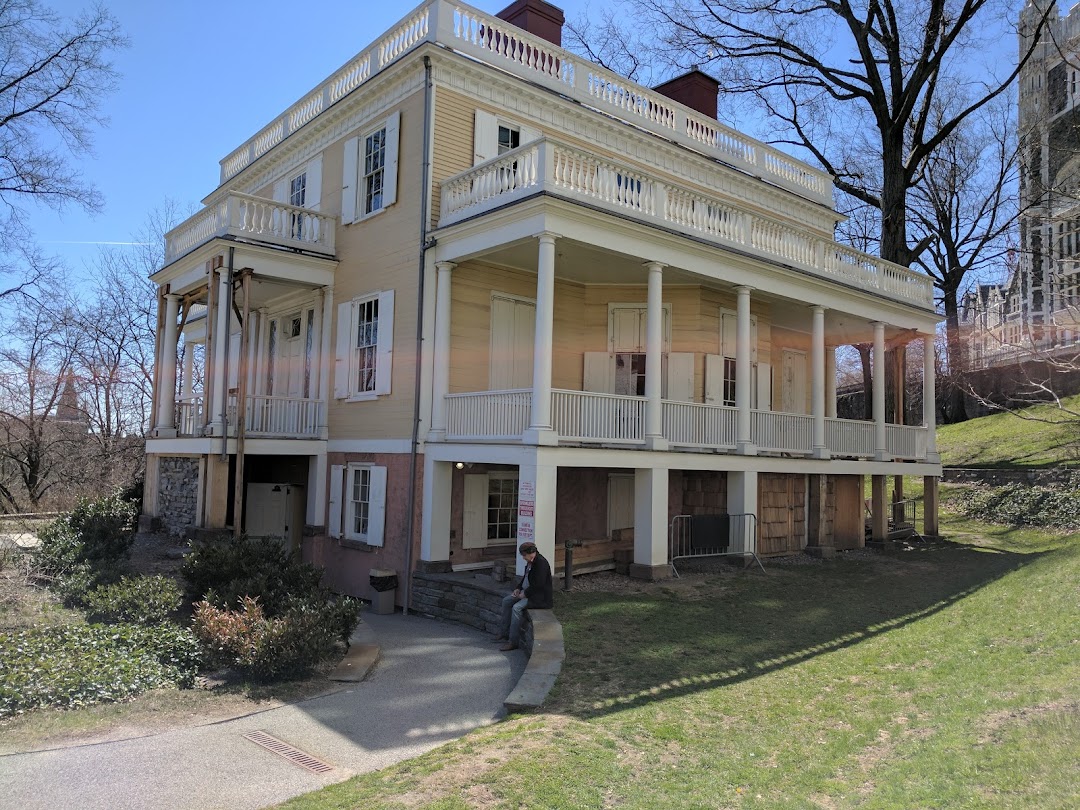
365, 503
363, 364
369, 171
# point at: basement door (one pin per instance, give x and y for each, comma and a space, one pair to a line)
781, 513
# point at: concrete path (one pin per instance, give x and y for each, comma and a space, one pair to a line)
433, 683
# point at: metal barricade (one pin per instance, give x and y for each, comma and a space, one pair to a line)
694, 536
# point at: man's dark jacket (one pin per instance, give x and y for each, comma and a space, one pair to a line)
539, 591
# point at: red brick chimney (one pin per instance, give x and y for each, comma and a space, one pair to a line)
537, 17
695, 89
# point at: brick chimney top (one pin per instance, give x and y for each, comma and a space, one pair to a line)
695, 89
537, 17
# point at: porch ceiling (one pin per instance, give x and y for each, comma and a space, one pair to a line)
588, 264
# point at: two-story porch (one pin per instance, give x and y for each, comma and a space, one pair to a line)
242, 375
607, 338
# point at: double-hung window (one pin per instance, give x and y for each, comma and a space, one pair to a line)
301, 188
369, 176
364, 357
358, 502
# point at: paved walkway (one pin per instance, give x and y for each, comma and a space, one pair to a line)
435, 681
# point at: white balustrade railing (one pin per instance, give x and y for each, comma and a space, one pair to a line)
849, 437
584, 416
782, 432
283, 416
190, 420
904, 441
254, 218
691, 425
494, 41
488, 414
549, 165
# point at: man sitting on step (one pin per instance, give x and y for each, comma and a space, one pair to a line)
533, 591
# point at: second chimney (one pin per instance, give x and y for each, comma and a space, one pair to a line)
537, 17
695, 89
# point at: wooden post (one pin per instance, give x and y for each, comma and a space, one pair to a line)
241, 403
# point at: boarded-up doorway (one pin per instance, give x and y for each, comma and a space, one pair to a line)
781, 513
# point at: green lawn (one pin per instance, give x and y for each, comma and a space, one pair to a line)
1049, 439
947, 676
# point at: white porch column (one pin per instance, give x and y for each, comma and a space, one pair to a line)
217, 418
317, 484
880, 445
166, 415
650, 523
251, 362
440, 377
830, 382
318, 356
435, 519
817, 382
536, 508
187, 386
743, 440
654, 348
929, 406
742, 497
327, 356
540, 431
263, 353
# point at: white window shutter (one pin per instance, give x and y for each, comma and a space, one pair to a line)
714, 379
384, 363
599, 374
344, 349
728, 322
485, 136
390, 165
337, 491
474, 512
376, 507
350, 178
753, 338
764, 383
313, 193
680, 376
281, 191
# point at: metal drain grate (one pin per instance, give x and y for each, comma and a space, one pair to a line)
283, 749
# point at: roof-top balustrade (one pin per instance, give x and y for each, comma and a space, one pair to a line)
492, 41
549, 166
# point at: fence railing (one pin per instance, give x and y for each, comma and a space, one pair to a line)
294, 417
588, 417
697, 536
548, 164
190, 419
243, 216
488, 414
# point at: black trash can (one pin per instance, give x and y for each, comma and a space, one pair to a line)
384, 583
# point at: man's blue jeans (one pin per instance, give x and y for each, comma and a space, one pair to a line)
512, 608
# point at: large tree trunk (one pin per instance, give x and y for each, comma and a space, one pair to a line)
956, 356
864, 350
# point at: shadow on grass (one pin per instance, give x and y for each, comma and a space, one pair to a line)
627, 650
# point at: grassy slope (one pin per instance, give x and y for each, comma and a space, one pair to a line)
946, 677
1005, 440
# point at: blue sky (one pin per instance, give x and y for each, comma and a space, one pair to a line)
199, 79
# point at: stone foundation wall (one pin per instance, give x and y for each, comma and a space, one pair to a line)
476, 603
178, 494
1001, 478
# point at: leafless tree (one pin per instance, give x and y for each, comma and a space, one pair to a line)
54, 72
37, 444
965, 210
